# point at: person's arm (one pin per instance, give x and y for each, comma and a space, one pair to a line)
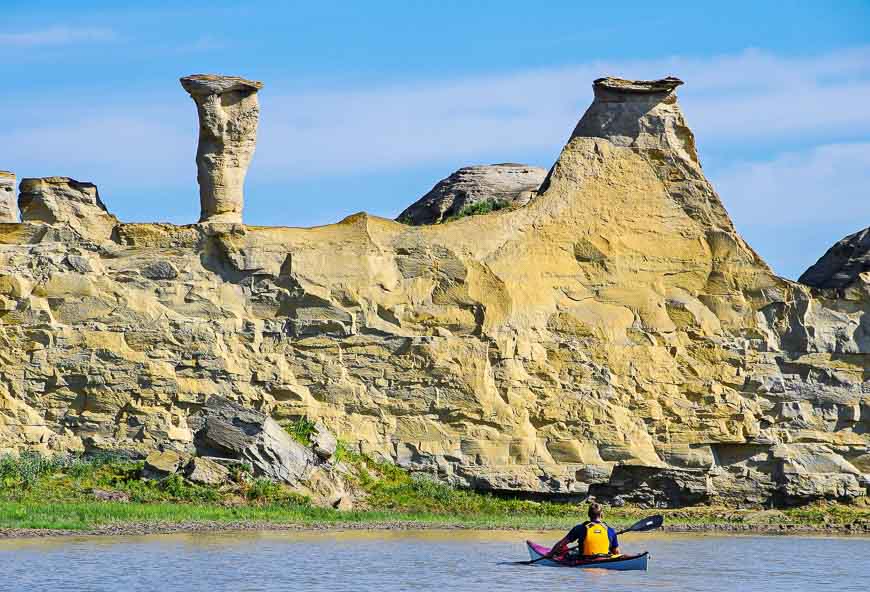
569, 538
614, 541
561, 546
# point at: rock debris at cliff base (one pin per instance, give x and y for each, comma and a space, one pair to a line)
614, 336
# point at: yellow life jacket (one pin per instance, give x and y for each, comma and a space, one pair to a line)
597, 541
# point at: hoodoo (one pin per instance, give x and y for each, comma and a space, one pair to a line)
228, 112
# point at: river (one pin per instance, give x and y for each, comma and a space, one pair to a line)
442, 561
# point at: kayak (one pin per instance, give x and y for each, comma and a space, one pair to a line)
620, 562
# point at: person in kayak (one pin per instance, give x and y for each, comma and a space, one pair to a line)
594, 538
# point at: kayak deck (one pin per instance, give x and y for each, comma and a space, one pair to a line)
619, 562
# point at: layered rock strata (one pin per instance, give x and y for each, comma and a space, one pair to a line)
506, 184
615, 336
65, 201
228, 112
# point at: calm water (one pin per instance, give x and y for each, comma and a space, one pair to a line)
433, 560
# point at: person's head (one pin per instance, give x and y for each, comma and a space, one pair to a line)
595, 511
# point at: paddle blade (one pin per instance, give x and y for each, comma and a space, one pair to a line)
650, 523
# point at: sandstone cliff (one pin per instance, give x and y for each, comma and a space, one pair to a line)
615, 336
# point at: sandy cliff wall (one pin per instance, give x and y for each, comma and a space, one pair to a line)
615, 336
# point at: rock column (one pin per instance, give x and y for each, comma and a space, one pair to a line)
228, 114
8, 207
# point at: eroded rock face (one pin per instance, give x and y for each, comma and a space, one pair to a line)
228, 112
8, 207
508, 184
615, 336
61, 200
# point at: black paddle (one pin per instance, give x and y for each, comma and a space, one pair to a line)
644, 525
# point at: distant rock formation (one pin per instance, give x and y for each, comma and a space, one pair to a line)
8, 208
842, 264
228, 112
61, 200
507, 183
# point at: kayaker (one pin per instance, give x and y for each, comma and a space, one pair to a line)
594, 538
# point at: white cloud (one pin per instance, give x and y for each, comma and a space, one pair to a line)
824, 184
60, 35
751, 96
793, 207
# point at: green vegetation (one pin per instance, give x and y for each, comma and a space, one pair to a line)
301, 430
64, 492
482, 207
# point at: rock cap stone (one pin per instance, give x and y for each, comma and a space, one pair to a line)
622, 85
215, 84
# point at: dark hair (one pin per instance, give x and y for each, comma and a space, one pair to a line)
595, 511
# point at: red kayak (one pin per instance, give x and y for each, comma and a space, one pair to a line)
620, 562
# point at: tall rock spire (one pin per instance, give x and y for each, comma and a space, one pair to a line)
630, 171
228, 115
644, 115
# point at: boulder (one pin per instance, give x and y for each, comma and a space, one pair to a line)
325, 486
160, 270
206, 471
323, 442
102, 495
8, 207
160, 464
842, 264
225, 428
228, 112
61, 200
507, 184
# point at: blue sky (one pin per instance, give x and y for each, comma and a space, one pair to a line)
368, 104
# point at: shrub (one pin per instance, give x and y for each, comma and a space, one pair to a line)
241, 472
263, 489
482, 207
301, 430
26, 469
344, 453
267, 491
178, 488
